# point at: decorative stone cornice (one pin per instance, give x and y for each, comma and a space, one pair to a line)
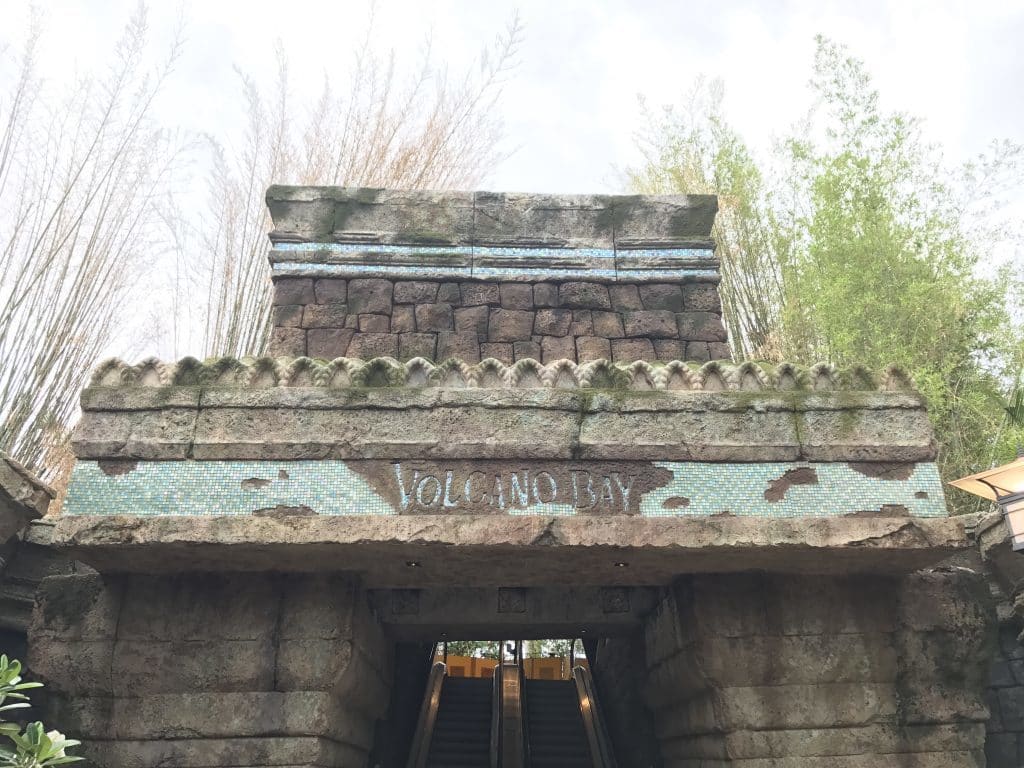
410, 235
23, 497
268, 372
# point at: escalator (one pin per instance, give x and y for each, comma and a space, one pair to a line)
462, 731
510, 722
556, 733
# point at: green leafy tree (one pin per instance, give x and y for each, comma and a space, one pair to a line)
862, 247
33, 747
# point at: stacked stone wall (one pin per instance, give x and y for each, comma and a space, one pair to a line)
1004, 744
206, 670
789, 672
546, 321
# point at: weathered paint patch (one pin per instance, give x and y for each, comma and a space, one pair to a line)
884, 470
115, 467
777, 488
251, 483
676, 502
284, 511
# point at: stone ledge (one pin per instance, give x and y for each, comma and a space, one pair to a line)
23, 497
501, 551
380, 372
360, 215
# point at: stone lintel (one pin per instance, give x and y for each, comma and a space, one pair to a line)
382, 409
353, 215
23, 497
509, 550
474, 613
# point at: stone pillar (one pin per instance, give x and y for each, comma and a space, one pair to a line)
211, 670
618, 668
788, 672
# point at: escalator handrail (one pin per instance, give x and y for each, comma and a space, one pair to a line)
496, 718
524, 713
512, 744
597, 737
428, 716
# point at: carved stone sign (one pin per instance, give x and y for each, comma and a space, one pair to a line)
481, 487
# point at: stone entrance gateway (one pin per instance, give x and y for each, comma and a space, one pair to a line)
507, 416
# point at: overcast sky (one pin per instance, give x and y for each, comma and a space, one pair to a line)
570, 108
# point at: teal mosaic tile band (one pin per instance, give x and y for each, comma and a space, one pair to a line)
653, 489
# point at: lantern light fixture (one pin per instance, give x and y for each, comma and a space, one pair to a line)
1005, 486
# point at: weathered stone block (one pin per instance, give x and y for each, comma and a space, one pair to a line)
631, 350
331, 290
374, 323
434, 317
199, 607
889, 434
553, 322
329, 343
288, 315
480, 293
367, 345
662, 296
449, 293
516, 295
412, 345
582, 323
557, 348
324, 315
689, 436
463, 346
524, 350
254, 752
700, 326
472, 320
717, 350
141, 668
415, 292
701, 297
161, 434
370, 296
498, 351
584, 296
403, 319
670, 349
82, 607
294, 290
288, 342
593, 348
545, 295
625, 297
73, 667
607, 324
510, 325
652, 323
698, 351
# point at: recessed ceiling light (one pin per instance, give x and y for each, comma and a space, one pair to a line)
621, 564
413, 563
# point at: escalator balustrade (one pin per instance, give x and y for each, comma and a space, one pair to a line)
555, 725
462, 731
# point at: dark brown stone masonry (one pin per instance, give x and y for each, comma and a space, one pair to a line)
581, 321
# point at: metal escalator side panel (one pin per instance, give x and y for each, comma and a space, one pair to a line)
512, 752
601, 751
428, 717
496, 718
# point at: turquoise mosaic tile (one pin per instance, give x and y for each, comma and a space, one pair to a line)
494, 262
332, 487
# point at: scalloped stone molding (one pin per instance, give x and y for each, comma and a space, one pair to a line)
266, 372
